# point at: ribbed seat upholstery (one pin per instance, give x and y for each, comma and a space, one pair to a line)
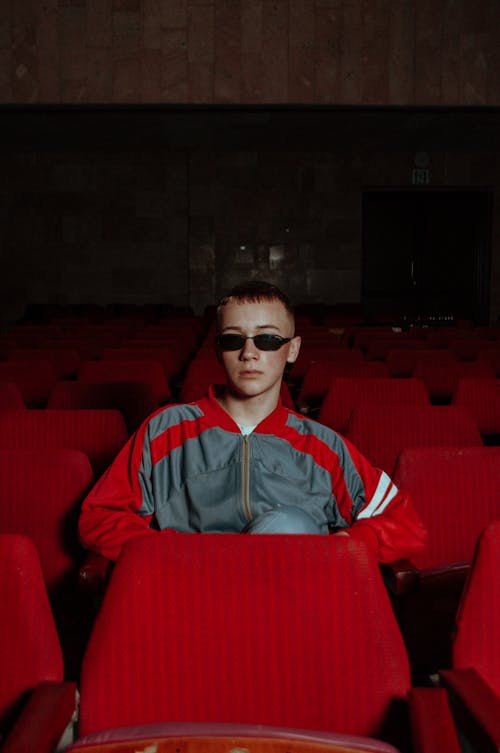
40, 495
337, 351
277, 631
64, 361
10, 397
441, 379
151, 372
382, 431
402, 361
477, 640
230, 627
481, 396
456, 492
100, 434
35, 379
474, 680
134, 400
166, 356
319, 374
346, 393
30, 652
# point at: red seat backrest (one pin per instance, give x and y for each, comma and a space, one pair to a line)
281, 630
100, 434
134, 400
10, 397
481, 396
381, 431
35, 379
319, 374
346, 393
456, 492
30, 651
40, 495
476, 643
150, 372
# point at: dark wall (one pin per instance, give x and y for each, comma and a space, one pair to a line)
123, 208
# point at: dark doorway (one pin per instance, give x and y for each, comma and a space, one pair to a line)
426, 254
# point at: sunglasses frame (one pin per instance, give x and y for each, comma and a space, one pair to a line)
276, 340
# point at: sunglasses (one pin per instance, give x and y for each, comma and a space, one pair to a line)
262, 342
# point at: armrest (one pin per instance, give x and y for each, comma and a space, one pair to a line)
46, 715
476, 705
432, 725
95, 572
400, 577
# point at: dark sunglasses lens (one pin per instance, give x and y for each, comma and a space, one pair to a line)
262, 342
268, 342
231, 342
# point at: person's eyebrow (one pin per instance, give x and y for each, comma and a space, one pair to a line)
259, 326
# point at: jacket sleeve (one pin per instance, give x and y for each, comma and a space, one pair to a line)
384, 517
117, 507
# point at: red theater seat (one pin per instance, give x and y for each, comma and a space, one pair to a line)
287, 631
35, 379
474, 680
441, 379
64, 361
346, 393
40, 495
319, 374
457, 493
35, 705
381, 431
481, 397
151, 372
134, 400
100, 434
10, 397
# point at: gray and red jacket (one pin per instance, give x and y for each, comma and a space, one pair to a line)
188, 468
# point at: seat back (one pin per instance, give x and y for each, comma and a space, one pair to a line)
441, 379
319, 374
200, 374
10, 397
35, 379
476, 642
346, 393
381, 431
134, 400
456, 492
29, 646
481, 396
100, 434
40, 495
281, 630
151, 372
64, 361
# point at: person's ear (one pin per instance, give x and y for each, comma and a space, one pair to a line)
293, 349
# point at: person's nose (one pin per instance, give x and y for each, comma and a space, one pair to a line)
249, 350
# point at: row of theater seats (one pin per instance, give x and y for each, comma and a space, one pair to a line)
454, 469
265, 644
43, 481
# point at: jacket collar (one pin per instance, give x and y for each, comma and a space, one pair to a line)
215, 413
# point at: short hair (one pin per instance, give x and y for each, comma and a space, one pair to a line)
255, 291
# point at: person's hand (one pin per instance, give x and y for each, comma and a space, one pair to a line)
342, 533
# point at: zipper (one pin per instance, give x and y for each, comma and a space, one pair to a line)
245, 478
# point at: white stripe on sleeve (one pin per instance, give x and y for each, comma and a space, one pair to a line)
384, 493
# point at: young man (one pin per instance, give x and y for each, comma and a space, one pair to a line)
237, 460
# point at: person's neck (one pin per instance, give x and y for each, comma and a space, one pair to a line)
248, 411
